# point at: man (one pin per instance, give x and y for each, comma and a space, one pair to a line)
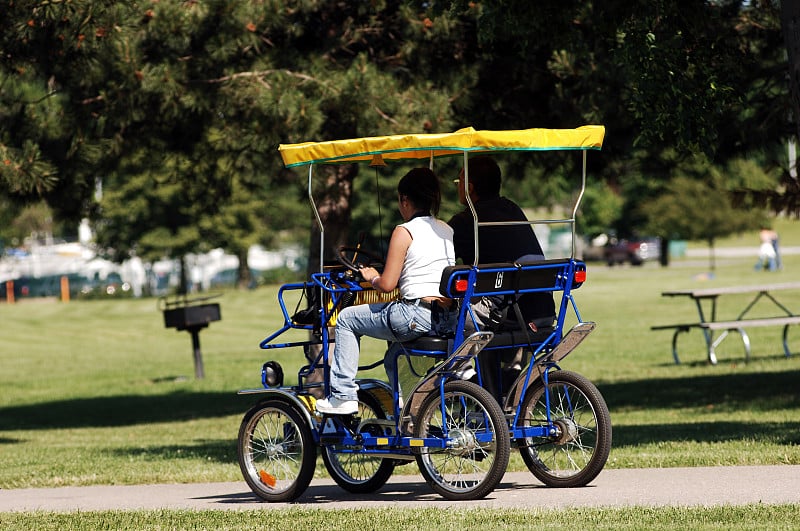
510, 243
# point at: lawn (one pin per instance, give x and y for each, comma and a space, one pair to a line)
758, 516
99, 392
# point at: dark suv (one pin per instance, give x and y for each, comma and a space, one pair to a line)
635, 251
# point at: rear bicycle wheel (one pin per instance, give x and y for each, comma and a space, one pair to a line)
477, 449
578, 451
352, 470
276, 451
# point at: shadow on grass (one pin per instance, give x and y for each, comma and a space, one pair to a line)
724, 392
786, 433
722, 360
124, 410
217, 450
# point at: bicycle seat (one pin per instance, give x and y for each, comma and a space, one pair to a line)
428, 343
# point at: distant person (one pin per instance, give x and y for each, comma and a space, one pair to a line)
778, 263
512, 243
768, 256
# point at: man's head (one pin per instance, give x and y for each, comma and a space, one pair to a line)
484, 179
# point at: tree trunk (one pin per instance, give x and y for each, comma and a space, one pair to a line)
711, 255
790, 25
333, 205
183, 287
244, 277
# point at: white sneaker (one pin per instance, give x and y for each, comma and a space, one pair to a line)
467, 373
334, 406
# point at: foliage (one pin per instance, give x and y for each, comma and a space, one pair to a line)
48, 70
600, 208
790, 22
673, 214
684, 62
668, 79
20, 222
700, 191
177, 107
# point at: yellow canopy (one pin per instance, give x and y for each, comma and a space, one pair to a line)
423, 146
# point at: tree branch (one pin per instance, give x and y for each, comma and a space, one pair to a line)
385, 116
260, 74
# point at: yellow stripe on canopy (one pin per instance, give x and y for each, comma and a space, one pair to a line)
423, 146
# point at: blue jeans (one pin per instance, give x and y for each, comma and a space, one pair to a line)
408, 321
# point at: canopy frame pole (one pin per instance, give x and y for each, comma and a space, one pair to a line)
471, 209
319, 220
578, 203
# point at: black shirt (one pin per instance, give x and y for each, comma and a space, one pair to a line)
497, 244
502, 244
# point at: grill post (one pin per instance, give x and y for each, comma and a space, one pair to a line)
191, 315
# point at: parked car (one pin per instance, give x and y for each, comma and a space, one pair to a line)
593, 249
634, 251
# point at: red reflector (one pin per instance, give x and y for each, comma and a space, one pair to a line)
580, 276
461, 285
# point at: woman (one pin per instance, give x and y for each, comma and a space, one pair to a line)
420, 248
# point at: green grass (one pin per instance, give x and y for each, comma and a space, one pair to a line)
722, 518
99, 392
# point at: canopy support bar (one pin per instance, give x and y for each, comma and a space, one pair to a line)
319, 220
471, 206
578, 202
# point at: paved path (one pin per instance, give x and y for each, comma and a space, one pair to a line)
703, 252
612, 488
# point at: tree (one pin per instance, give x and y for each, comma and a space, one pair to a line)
668, 79
600, 209
48, 145
790, 23
178, 107
226, 83
382, 67
698, 205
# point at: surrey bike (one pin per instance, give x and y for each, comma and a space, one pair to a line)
458, 432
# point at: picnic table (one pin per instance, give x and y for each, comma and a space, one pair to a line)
706, 304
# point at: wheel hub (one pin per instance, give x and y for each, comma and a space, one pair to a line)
567, 431
274, 450
463, 442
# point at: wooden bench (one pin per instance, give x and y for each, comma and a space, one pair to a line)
705, 301
731, 326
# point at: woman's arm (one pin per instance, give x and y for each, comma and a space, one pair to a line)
395, 258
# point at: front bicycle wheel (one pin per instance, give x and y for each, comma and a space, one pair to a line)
276, 451
475, 442
353, 470
578, 448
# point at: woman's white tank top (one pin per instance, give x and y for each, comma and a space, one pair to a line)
431, 250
